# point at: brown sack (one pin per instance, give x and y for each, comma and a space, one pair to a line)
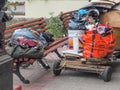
113, 17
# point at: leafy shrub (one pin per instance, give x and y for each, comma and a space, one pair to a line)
56, 27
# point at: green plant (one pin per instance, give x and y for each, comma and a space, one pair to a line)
14, 4
56, 27
29, 0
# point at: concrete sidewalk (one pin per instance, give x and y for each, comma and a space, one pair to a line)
68, 80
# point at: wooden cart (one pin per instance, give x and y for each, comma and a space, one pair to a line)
92, 65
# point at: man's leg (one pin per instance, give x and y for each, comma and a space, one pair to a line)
2, 29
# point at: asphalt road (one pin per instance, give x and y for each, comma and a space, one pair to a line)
68, 80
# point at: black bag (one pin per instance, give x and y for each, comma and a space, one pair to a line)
48, 37
76, 25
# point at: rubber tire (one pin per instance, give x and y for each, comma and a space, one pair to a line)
107, 73
56, 68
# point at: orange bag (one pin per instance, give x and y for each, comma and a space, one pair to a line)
98, 45
110, 39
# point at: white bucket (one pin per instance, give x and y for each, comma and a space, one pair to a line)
76, 35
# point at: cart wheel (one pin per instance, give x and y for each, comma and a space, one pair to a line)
56, 68
107, 73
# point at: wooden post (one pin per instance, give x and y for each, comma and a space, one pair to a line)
2, 30
6, 76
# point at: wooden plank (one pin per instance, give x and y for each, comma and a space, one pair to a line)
76, 64
85, 68
23, 23
62, 14
40, 23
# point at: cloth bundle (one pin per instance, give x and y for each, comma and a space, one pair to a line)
28, 43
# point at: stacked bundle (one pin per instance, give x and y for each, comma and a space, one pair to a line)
96, 40
28, 43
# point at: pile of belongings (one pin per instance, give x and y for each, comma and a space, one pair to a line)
28, 43
98, 39
99, 42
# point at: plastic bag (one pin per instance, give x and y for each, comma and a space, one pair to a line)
76, 25
28, 33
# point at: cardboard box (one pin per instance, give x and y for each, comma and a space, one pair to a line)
113, 17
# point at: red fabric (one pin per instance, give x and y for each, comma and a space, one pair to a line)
17, 87
30, 43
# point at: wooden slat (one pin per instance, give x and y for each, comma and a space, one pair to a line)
66, 17
44, 29
68, 12
41, 25
28, 25
11, 30
60, 40
76, 64
23, 23
54, 47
